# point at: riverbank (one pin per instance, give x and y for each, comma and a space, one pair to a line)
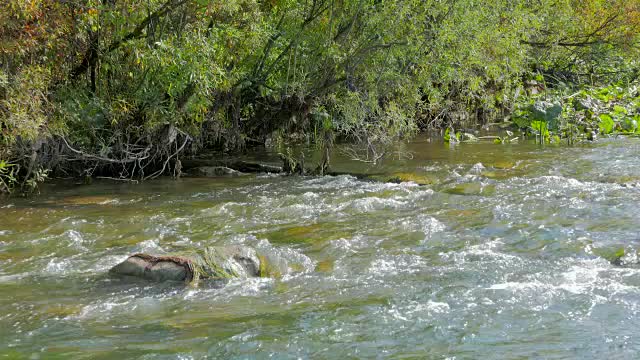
557, 116
350, 160
128, 89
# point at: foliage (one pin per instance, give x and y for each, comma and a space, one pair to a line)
609, 110
122, 87
7, 177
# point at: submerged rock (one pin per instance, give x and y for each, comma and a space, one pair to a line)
221, 262
400, 177
87, 200
472, 188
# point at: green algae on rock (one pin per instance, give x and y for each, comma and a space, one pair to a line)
219, 262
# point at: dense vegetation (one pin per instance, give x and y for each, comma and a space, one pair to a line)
124, 88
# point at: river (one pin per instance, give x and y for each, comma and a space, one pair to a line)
501, 255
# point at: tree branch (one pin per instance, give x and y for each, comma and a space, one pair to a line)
91, 56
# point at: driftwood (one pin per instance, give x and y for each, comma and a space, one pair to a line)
215, 171
250, 167
188, 165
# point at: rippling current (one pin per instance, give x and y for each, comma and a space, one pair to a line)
502, 255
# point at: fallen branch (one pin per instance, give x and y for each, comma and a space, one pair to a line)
109, 160
118, 179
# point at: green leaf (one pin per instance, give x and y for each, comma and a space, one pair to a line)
619, 110
606, 124
540, 127
547, 112
447, 136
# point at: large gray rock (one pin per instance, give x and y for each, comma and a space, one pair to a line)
156, 268
221, 262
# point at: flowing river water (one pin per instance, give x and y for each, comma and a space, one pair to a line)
501, 255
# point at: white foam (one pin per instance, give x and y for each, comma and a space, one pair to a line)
418, 310
75, 238
517, 286
588, 277
477, 168
285, 257
228, 208
487, 250
430, 226
375, 203
110, 202
58, 266
246, 287
397, 264
149, 246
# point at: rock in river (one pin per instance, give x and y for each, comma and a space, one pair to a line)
220, 262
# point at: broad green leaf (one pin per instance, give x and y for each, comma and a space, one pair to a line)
606, 124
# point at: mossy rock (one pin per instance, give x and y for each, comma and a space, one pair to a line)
217, 262
612, 255
420, 179
381, 178
325, 266
87, 200
471, 189
267, 269
503, 164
